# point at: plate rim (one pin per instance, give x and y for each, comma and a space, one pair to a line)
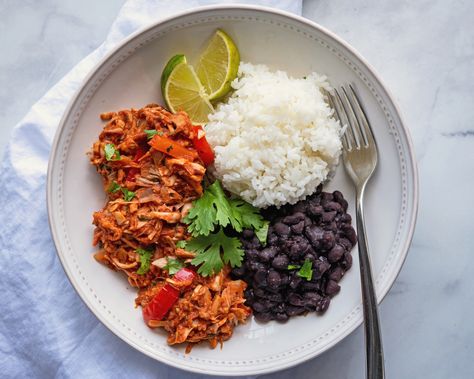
412, 216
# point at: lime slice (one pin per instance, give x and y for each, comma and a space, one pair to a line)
218, 65
182, 90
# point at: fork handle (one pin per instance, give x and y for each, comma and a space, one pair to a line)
373, 340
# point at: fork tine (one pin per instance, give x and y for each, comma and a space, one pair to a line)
363, 121
354, 122
349, 134
330, 100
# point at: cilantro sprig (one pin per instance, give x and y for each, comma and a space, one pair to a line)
305, 271
206, 221
214, 208
173, 265
115, 187
111, 153
215, 250
145, 260
150, 133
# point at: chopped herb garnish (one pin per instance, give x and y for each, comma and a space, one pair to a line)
150, 133
145, 260
214, 250
173, 265
181, 244
113, 187
111, 153
263, 232
169, 148
293, 267
306, 271
128, 195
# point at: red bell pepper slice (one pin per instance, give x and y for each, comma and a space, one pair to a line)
160, 305
202, 146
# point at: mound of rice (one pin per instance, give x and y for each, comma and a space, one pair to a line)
274, 139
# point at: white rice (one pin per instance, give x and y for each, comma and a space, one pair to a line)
274, 139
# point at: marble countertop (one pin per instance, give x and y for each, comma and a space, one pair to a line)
424, 51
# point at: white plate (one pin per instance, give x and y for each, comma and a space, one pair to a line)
129, 77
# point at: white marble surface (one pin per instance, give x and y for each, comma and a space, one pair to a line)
424, 51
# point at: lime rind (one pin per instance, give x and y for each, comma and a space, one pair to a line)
216, 78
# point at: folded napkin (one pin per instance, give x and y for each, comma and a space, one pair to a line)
45, 329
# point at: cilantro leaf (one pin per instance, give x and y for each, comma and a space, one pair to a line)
181, 244
306, 271
247, 215
263, 232
127, 194
145, 260
214, 208
293, 267
173, 265
214, 250
202, 215
151, 132
113, 187
111, 153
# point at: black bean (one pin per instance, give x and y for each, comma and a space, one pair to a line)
307, 222
310, 286
239, 272
248, 234
281, 229
260, 278
259, 307
333, 206
285, 279
281, 317
350, 233
314, 235
321, 266
315, 210
346, 218
336, 274
338, 196
296, 251
336, 253
294, 311
273, 279
295, 281
328, 240
256, 266
326, 196
275, 297
280, 262
328, 216
344, 204
293, 219
296, 299
267, 254
345, 243
272, 239
301, 206
263, 317
298, 228
323, 304
332, 288
347, 261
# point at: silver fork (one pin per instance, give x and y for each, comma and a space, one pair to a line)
360, 161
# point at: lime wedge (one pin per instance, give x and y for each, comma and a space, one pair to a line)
183, 91
218, 65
